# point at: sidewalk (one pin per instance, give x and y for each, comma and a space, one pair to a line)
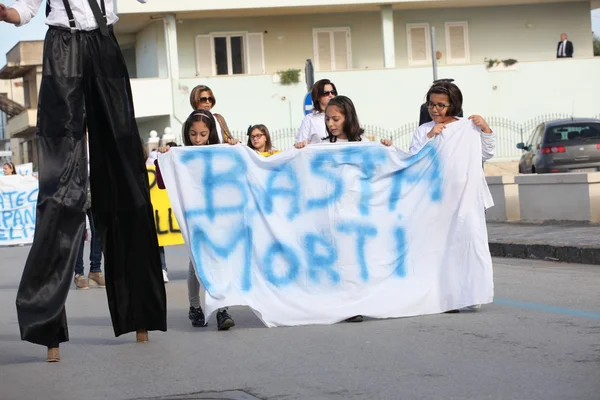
566, 242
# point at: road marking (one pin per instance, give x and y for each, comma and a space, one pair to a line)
546, 308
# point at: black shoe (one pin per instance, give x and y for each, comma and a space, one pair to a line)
224, 320
356, 318
197, 317
452, 312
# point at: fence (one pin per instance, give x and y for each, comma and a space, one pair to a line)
508, 133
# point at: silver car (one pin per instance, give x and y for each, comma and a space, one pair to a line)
569, 145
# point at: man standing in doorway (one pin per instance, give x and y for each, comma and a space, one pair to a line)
84, 73
565, 47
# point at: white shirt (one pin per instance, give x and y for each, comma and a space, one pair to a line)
312, 129
84, 18
488, 146
563, 48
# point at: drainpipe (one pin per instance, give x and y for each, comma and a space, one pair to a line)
433, 52
170, 28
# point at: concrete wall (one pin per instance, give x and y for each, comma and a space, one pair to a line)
506, 199
525, 33
288, 41
547, 197
151, 97
389, 99
150, 52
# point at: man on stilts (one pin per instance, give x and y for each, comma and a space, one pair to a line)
85, 82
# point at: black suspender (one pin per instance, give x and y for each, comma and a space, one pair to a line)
70, 12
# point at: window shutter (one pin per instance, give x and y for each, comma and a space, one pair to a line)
418, 52
323, 51
256, 53
341, 50
204, 56
457, 42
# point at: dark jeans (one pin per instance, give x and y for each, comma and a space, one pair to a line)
95, 250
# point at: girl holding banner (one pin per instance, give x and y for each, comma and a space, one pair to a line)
342, 126
259, 140
9, 169
199, 130
444, 102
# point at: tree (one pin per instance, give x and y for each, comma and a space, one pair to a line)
596, 45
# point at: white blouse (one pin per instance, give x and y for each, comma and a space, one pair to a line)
312, 129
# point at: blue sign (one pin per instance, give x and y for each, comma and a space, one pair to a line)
308, 104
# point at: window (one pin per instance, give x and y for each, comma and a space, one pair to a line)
580, 132
26, 94
332, 49
457, 42
229, 54
419, 44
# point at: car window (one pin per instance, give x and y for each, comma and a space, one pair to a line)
539, 134
532, 137
578, 132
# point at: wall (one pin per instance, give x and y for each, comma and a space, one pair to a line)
547, 197
388, 100
134, 7
288, 42
562, 197
157, 124
503, 32
150, 52
506, 199
151, 97
494, 32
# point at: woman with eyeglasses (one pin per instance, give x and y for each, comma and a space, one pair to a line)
312, 129
202, 98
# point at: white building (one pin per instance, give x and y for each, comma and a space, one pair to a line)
11, 104
378, 55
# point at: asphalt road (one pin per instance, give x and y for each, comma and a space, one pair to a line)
539, 340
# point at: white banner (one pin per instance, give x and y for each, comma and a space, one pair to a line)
318, 235
25, 169
18, 201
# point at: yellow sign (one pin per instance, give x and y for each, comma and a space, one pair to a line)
167, 228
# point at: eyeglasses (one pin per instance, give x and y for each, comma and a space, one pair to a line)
254, 137
438, 106
206, 100
329, 93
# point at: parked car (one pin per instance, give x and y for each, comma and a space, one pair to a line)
568, 145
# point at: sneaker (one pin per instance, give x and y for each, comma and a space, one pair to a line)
356, 318
165, 277
96, 279
224, 320
80, 282
197, 317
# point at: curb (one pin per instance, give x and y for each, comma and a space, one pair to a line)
543, 251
